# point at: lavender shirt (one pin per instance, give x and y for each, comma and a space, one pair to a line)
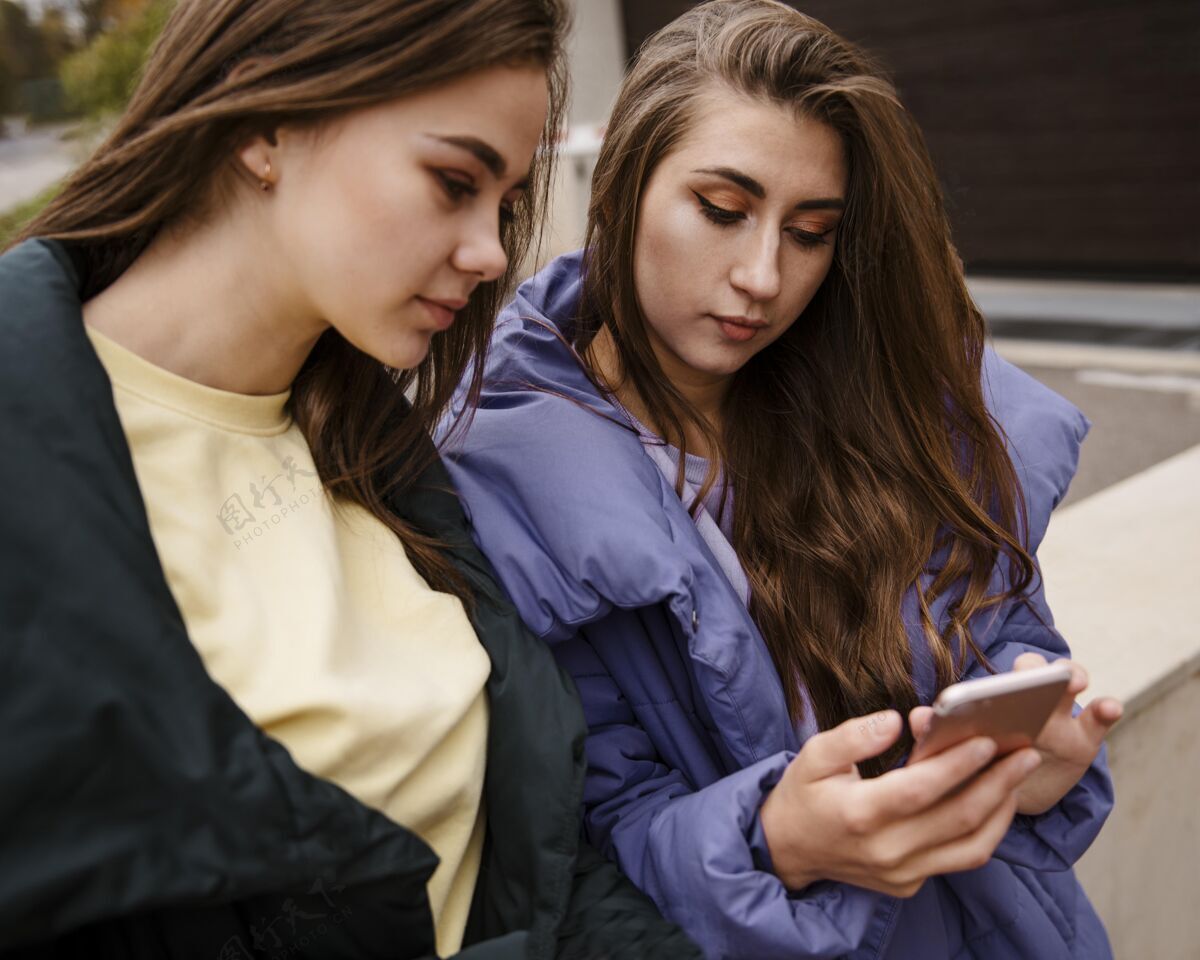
714, 524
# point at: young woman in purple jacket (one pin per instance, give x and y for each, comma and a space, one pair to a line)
747, 464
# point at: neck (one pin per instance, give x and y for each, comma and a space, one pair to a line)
703, 394
207, 305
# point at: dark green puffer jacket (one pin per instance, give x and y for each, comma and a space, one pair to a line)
142, 814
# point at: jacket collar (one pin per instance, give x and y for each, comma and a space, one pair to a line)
578, 520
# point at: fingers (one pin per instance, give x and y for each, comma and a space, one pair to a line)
838, 750
919, 719
1028, 661
1079, 680
962, 813
1079, 676
970, 851
906, 792
1099, 717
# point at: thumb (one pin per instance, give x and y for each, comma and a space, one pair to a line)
919, 719
859, 738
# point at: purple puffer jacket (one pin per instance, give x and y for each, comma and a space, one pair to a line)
688, 727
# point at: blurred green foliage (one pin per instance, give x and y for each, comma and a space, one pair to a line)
23, 55
11, 221
100, 78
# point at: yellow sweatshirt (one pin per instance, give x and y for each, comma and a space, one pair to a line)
310, 615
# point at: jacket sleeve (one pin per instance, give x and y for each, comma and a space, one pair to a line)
692, 849
1056, 839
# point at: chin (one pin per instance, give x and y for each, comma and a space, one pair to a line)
410, 360
405, 355
719, 363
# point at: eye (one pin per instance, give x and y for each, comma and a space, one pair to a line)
508, 209
807, 238
456, 185
718, 215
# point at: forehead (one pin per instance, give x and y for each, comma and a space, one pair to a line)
786, 151
503, 106
497, 97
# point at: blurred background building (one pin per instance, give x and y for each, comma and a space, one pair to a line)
1067, 137
1067, 132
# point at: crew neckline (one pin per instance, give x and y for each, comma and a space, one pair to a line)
261, 415
695, 472
695, 467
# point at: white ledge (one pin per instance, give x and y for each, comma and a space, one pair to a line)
1122, 571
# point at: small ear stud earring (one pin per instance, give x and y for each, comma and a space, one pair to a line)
265, 182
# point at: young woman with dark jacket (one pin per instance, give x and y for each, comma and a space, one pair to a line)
746, 463
261, 696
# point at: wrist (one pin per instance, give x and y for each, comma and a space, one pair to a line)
777, 832
1046, 787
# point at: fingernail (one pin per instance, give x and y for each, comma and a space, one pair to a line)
1031, 763
983, 751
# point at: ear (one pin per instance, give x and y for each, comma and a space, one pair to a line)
257, 157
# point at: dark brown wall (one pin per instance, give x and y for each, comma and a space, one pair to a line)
1066, 132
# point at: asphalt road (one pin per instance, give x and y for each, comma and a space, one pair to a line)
1137, 420
30, 162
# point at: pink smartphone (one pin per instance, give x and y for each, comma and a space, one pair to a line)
1011, 708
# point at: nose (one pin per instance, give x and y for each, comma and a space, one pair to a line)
479, 251
756, 272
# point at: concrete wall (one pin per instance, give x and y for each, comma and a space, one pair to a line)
1122, 572
1141, 871
1042, 119
597, 57
596, 50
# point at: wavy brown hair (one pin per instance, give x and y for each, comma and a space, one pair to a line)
862, 458
224, 71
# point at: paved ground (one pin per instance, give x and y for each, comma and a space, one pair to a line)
1136, 421
1127, 354
1089, 303
32, 161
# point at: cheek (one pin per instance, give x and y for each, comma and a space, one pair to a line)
366, 215
679, 241
804, 278
358, 248
672, 251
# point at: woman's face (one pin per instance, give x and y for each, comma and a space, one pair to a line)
387, 219
735, 233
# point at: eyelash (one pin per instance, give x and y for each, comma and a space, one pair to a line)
457, 188
725, 218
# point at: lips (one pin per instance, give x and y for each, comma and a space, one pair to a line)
739, 329
442, 310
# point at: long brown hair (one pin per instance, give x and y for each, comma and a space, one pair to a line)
862, 458
224, 71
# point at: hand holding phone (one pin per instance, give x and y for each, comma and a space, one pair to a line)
1011, 708
823, 821
1068, 739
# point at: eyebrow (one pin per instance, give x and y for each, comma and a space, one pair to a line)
486, 154
756, 189
483, 152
